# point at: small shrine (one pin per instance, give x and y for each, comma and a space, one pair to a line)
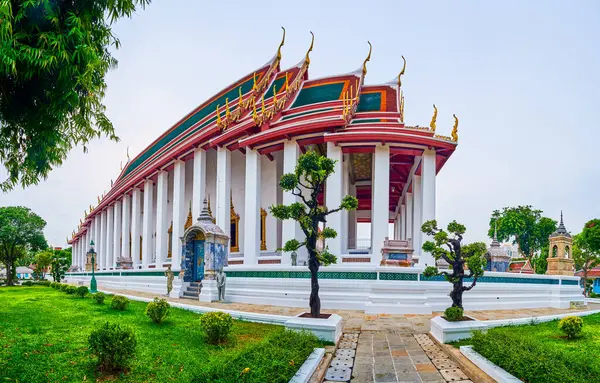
560, 257
205, 251
397, 253
496, 257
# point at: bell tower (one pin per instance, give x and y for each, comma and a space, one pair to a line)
560, 258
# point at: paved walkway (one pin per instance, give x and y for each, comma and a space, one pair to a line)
384, 348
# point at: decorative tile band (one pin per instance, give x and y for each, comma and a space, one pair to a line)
398, 277
302, 274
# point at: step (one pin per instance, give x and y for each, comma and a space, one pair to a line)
187, 294
195, 284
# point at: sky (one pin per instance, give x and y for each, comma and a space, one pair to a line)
521, 76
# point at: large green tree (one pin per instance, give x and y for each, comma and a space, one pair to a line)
21, 230
54, 55
306, 183
525, 226
60, 262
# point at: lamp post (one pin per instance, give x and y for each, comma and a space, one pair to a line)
93, 286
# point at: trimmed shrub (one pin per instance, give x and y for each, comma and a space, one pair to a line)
453, 314
99, 297
158, 310
217, 326
113, 345
119, 302
571, 326
82, 291
63, 287
42, 283
53, 285
27, 283
70, 290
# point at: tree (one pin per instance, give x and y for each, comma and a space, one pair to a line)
586, 249
21, 230
61, 260
591, 234
55, 55
310, 174
457, 256
526, 226
42, 261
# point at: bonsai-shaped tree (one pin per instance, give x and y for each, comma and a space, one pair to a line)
306, 182
447, 246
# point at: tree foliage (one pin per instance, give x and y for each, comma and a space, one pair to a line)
42, 260
447, 245
21, 230
585, 255
54, 56
525, 226
312, 170
61, 260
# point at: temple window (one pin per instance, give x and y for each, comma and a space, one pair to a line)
170, 241
234, 242
263, 229
554, 251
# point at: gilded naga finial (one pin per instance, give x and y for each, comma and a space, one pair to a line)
280, 45
364, 68
98, 200
254, 83
433, 119
128, 154
455, 129
240, 98
218, 116
227, 111
287, 84
312, 43
121, 165
401, 72
402, 105
274, 93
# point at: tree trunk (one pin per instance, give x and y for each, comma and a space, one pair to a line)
457, 291
9, 274
315, 302
585, 272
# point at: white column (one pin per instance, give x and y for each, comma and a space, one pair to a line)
289, 229
109, 237
224, 189
162, 237
125, 226
345, 191
147, 225
418, 218
102, 249
198, 183
409, 218
333, 197
136, 225
116, 233
403, 221
380, 201
179, 211
252, 208
96, 236
428, 170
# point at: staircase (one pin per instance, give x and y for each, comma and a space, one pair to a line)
193, 290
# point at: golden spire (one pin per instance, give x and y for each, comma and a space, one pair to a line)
227, 112
274, 93
189, 220
209, 211
433, 119
240, 98
312, 43
364, 69
402, 105
280, 45
254, 83
218, 116
401, 72
455, 129
287, 85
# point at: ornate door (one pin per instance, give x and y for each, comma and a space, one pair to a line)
198, 269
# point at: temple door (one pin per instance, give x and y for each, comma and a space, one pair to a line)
198, 269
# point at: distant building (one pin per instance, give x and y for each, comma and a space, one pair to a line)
511, 250
24, 272
497, 259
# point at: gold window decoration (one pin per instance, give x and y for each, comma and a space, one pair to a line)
234, 243
263, 229
189, 221
170, 242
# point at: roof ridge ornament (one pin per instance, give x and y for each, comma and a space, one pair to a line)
278, 56
432, 124
364, 68
312, 43
401, 73
455, 129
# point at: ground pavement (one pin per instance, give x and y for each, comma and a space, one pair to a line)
383, 348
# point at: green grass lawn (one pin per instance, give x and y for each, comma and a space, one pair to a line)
542, 353
44, 332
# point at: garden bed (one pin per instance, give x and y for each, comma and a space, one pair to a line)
541, 353
44, 337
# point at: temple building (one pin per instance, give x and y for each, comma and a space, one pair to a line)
497, 258
233, 149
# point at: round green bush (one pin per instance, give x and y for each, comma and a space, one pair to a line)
63, 287
158, 310
82, 291
70, 290
27, 283
119, 302
217, 326
571, 326
453, 314
53, 285
99, 297
113, 345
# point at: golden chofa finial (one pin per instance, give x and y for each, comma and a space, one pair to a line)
280, 45
402, 105
128, 154
312, 43
240, 98
455, 129
218, 116
121, 165
433, 119
364, 69
401, 72
227, 111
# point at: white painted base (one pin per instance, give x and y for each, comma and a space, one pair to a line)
497, 373
445, 331
329, 329
309, 366
209, 292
